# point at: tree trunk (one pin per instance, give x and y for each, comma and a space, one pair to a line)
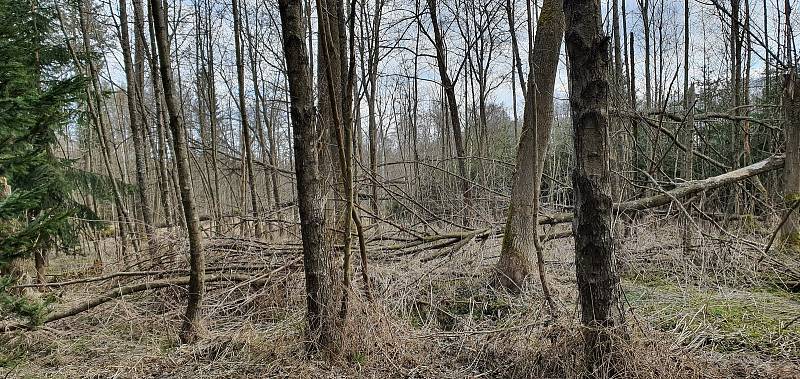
160, 139
519, 240
687, 232
323, 291
644, 6
449, 89
101, 129
245, 124
790, 232
736, 99
598, 282
331, 20
213, 121
196, 259
372, 80
132, 76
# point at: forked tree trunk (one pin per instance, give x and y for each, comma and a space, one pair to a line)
196, 260
323, 293
598, 282
520, 237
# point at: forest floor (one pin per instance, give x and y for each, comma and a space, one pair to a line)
717, 311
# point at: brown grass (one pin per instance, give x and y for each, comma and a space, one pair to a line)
433, 319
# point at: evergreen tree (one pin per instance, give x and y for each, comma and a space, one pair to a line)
39, 95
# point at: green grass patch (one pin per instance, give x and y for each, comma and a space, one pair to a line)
761, 320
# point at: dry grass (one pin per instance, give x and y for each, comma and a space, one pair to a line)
709, 313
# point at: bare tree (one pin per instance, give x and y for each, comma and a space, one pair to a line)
247, 139
521, 236
319, 261
598, 282
452, 105
135, 115
196, 259
790, 231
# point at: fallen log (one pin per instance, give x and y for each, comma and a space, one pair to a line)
684, 190
122, 274
85, 305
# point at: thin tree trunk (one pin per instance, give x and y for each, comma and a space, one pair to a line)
374, 55
101, 129
161, 119
687, 232
132, 76
196, 259
214, 122
245, 124
644, 6
449, 89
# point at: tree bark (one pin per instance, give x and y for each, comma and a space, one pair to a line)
520, 237
449, 89
135, 116
323, 291
196, 259
245, 124
598, 282
790, 232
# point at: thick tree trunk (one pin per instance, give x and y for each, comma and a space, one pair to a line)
519, 240
196, 258
323, 292
598, 282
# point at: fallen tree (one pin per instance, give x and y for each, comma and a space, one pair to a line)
87, 304
684, 190
687, 189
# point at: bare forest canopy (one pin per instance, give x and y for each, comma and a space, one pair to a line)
362, 188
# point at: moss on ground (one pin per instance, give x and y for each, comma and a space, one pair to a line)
761, 320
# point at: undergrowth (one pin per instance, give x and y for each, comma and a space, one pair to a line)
439, 319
